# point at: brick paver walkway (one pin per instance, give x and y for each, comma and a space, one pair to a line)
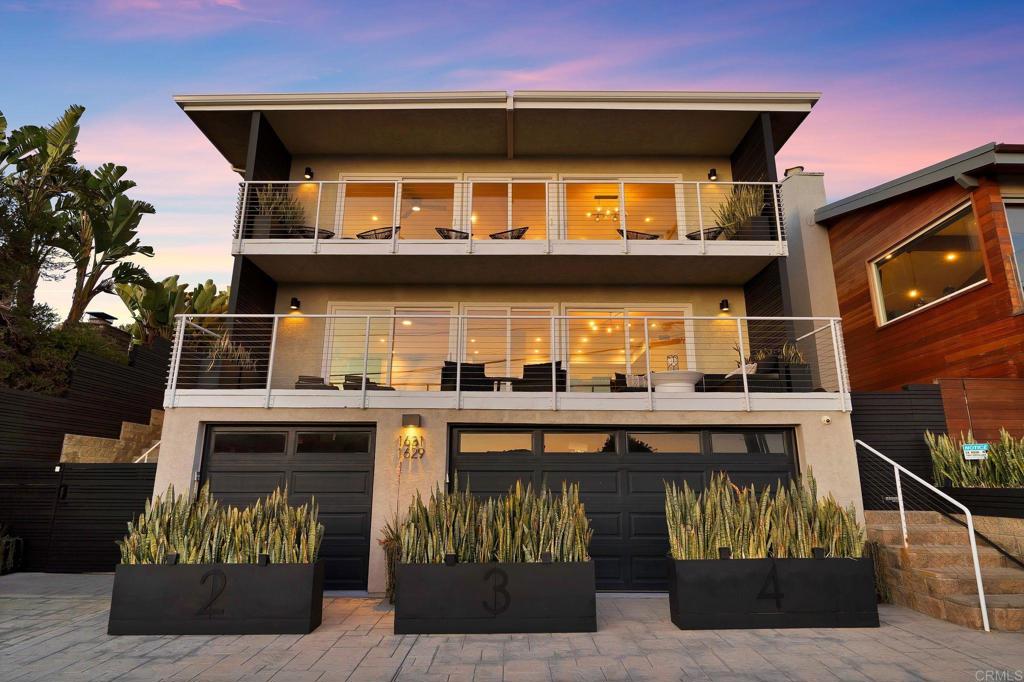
53, 627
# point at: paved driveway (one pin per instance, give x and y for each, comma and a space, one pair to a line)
53, 627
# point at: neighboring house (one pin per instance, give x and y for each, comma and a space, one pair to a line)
490, 287
928, 273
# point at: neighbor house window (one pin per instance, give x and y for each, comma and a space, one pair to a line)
1015, 218
941, 261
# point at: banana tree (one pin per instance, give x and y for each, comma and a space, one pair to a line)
154, 305
104, 236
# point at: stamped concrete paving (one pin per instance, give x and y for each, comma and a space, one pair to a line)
52, 627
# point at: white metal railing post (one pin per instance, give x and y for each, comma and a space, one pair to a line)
778, 214
982, 602
316, 222
647, 355
847, 399
244, 187
469, 212
622, 217
554, 372
899, 502
459, 350
743, 362
837, 358
179, 335
396, 214
366, 357
270, 360
700, 220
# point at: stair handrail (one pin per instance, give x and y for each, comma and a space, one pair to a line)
144, 457
897, 470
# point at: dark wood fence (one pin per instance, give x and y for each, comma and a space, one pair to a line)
894, 423
100, 396
71, 516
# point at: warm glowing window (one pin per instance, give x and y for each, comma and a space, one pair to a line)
601, 210
939, 262
1015, 217
506, 338
489, 442
367, 206
501, 206
579, 442
425, 207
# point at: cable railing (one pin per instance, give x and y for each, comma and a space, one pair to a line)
583, 352
897, 489
521, 210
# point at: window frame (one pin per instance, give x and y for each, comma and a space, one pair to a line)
1016, 200
875, 279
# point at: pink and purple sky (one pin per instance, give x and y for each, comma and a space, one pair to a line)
904, 84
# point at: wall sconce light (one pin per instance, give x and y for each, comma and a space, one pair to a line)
713, 174
308, 174
295, 304
724, 305
412, 420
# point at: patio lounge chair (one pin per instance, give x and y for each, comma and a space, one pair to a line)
538, 378
379, 233
354, 382
472, 377
514, 233
314, 382
450, 233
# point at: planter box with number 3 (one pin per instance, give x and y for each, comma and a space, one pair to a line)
495, 597
216, 599
772, 593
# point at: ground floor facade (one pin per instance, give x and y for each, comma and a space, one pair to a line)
364, 466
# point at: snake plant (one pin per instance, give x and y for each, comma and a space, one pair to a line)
1003, 468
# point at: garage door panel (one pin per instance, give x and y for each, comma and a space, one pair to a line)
334, 482
650, 571
759, 479
258, 483
647, 525
492, 483
653, 482
605, 525
592, 483
354, 525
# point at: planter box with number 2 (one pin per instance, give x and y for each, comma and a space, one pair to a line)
772, 593
495, 597
216, 599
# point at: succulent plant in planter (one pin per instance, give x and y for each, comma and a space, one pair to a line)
738, 210
10, 550
277, 213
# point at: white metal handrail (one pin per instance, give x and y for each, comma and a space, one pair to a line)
899, 471
144, 457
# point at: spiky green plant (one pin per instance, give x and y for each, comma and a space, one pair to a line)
743, 204
200, 531
520, 526
391, 541
754, 524
1003, 468
10, 549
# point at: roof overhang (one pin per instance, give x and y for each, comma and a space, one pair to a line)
496, 123
991, 158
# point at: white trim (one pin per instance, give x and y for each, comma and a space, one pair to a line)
1016, 200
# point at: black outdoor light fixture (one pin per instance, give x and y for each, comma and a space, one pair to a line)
308, 174
712, 174
411, 420
295, 304
724, 305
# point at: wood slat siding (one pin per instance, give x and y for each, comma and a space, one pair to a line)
975, 334
79, 532
894, 423
983, 406
100, 396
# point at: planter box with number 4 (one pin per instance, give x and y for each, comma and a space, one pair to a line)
772, 593
495, 597
216, 599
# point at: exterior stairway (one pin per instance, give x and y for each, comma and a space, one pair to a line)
135, 439
935, 573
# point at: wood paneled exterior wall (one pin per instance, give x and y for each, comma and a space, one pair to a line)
979, 333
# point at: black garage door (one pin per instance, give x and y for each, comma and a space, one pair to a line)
621, 473
332, 464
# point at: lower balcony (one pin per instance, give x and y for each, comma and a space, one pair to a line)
580, 361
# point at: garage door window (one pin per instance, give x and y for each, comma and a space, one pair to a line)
579, 443
675, 443
496, 443
260, 443
332, 442
753, 442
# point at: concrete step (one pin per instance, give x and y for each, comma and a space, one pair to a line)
941, 582
874, 516
1005, 611
919, 534
940, 556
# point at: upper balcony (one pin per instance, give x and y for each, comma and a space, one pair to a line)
510, 217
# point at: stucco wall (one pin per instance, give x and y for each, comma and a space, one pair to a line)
825, 449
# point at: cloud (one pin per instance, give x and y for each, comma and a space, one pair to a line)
178, 19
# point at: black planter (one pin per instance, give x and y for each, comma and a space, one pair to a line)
1008, 502
495, 597
707, 594
217, 599
796, 377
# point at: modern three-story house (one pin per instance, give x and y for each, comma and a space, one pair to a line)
477, 288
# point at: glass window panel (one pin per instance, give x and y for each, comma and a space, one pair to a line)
258, 442
421, 345
348, 341
496, 442
426, 206
748, 442
651, 209
367, 206
579, 442
936, 264
332, 442
490, 208
529, 339
487, 340
592, 210
529, 209
667, 338
688, 443
1015, 217
596, 349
